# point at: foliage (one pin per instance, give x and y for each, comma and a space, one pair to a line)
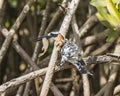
109, 14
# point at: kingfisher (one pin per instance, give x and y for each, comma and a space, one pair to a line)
69, 51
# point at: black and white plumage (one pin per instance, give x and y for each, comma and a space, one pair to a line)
71, 53
51, 35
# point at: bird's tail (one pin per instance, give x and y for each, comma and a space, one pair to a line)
80, 65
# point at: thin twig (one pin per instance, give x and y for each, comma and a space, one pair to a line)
2, 11
19, 92
56, 17
55, 90
1, 3
75, 82
61, 80
95, 38
76, 31
102, 49
103, 77
117, 90
86, 85
87, 26
88, 50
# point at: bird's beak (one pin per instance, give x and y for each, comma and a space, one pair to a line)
44, 36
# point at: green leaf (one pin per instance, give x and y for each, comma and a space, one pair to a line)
97, 3
118, 7
104, 21
113, 10
13, 3
104, 15
7, 24
111, 36
102, 3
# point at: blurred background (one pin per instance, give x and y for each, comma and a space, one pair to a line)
100, 35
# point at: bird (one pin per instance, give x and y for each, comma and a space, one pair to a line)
69, 51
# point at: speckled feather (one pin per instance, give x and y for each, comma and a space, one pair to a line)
70, 52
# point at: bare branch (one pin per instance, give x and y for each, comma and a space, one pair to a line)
55, 90
1, 3
103, 48
86, 85
87, 25
75, 82
117, 90
108, 89
56, 17
63, 30
13, 29
20, 80
37, 46
25, 78
95, 38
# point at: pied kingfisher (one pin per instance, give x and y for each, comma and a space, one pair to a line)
69, 51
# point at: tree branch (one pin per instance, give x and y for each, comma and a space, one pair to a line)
13, 29
63, 30
25, 78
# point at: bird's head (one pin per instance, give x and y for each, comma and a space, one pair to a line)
51, 35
